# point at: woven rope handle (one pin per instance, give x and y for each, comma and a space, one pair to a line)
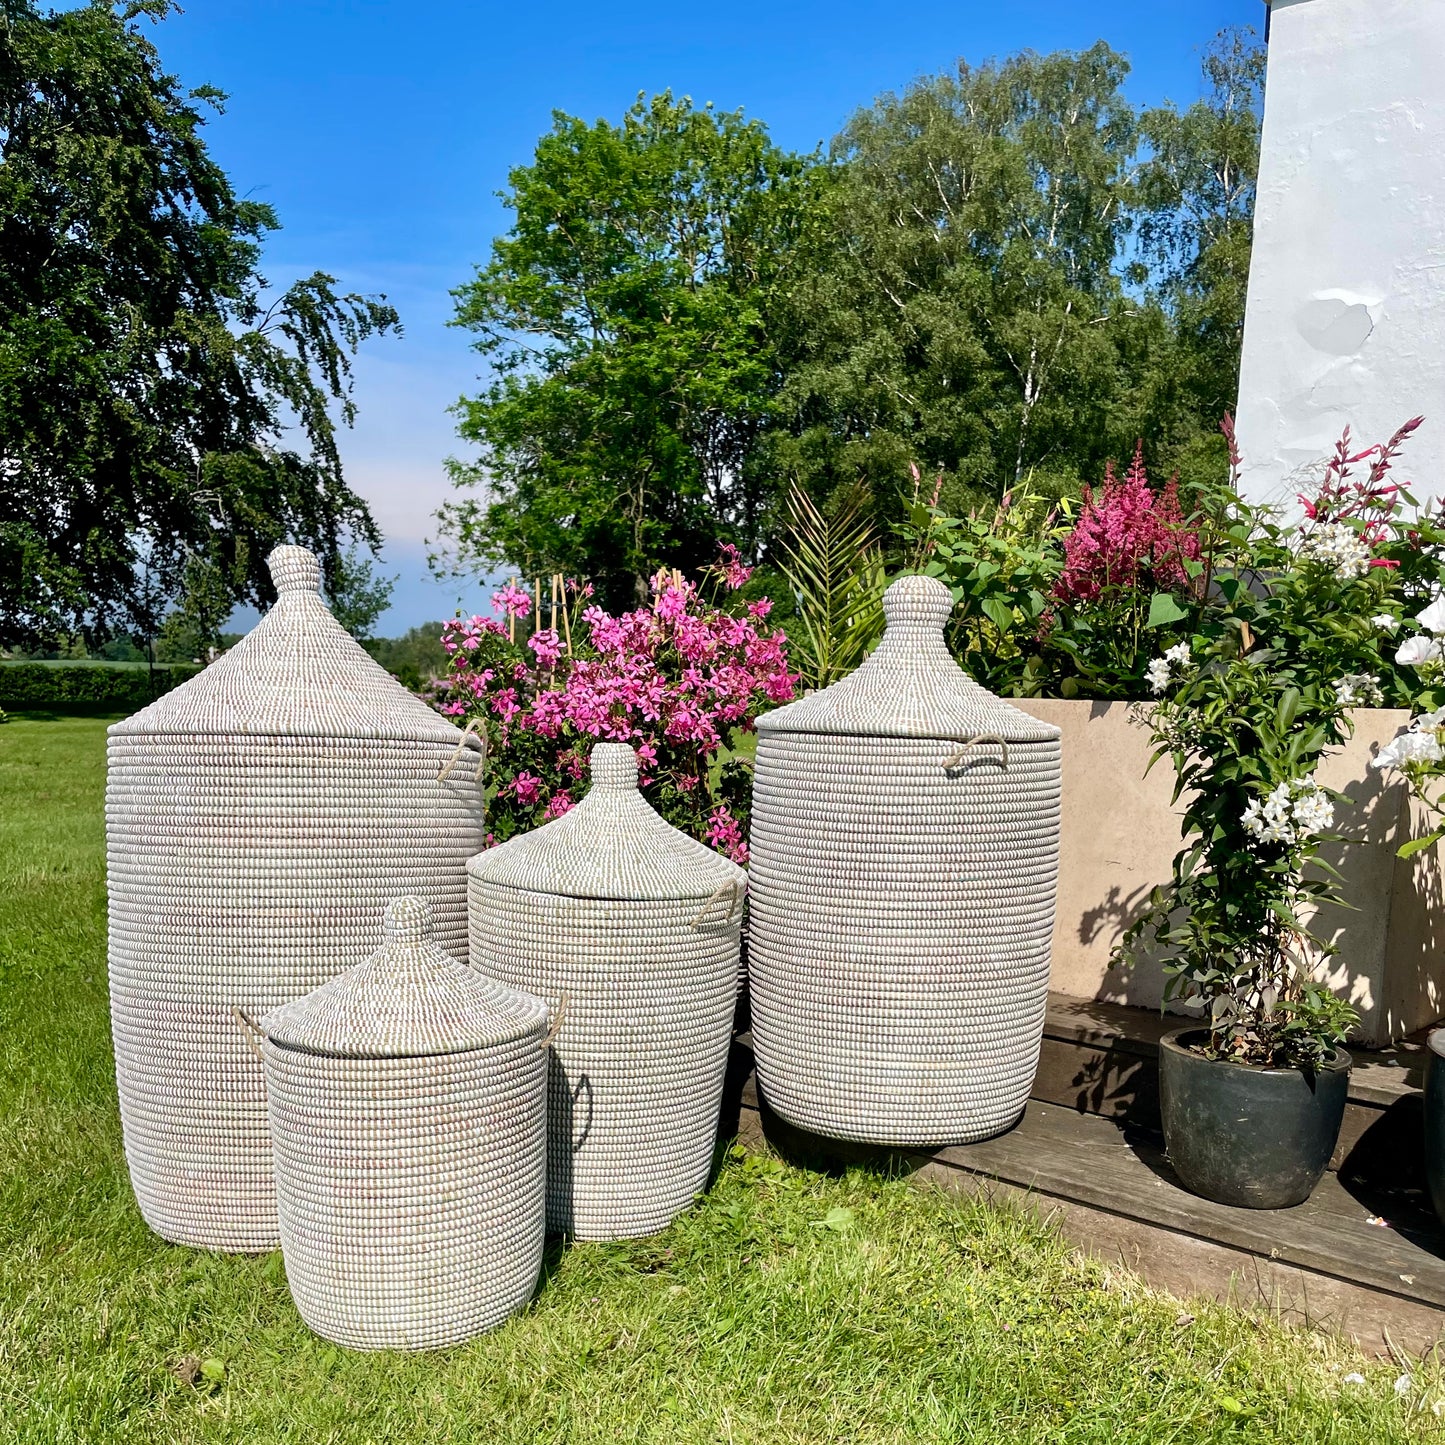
249, 1032
957, 757
557, 1018
472, 729
716, 894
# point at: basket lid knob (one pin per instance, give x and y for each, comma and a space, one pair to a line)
294, 569
918, 602
408, 920
614, 766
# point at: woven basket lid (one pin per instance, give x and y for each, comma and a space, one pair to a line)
611, 845
910, 687
298, 673
410, 999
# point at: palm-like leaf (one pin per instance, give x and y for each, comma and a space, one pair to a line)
835, 569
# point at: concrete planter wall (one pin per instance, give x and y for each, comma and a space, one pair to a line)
1120, 835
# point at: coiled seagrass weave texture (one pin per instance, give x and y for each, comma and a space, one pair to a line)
904, 847
258, 818
638, 924
408, 1115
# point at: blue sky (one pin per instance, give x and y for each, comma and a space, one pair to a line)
382, 131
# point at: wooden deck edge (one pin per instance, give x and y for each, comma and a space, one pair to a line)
1188, 1266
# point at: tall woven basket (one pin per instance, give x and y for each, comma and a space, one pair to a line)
638, 924
905, 837
408, 1112
258, 818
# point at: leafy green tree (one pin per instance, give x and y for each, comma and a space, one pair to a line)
158, 401
624, 318
971, 314
415, 657
191, 631
1195, 201
356, 595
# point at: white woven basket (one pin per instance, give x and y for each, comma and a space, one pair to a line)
904, 848
408, 1115
638, 924
258, 818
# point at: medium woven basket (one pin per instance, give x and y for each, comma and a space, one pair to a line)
638, 924
408, 1115
258, 818
905, 836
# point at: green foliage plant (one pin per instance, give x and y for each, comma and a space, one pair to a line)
1000, 562
42, 686
835, 568
624, 321
159, 401
1247, 708
356, 595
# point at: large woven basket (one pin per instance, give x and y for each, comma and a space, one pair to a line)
638, 924
258, 818
408, 1115
905, 835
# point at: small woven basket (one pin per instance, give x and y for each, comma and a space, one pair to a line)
638, 924
258, 819
904, 858
408, 1114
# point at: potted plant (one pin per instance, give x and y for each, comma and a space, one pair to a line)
1417, 756
1253, 1094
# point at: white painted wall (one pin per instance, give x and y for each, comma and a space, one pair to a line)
1345, 321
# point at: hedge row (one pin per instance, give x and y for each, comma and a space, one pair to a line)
44, 685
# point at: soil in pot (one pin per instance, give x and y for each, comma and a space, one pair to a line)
1239, 1134
1435, 1122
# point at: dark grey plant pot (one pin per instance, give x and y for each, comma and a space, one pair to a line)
1435, 1122
1244, 1135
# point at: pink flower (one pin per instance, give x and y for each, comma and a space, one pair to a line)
1127, 536
547, 645
725, 833
731, 568
512, 601
526, 787
505, 704
675, 678
558, 804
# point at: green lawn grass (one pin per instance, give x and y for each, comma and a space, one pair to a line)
787, 1307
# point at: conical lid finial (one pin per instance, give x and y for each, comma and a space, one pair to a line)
613, 844
910, 687
294, 569
614, 767
407, 920
409, 999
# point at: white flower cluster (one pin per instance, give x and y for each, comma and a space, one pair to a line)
1427, 646
1161, 672
1386, 622
1338, 546
1418, 743
1293, 812
1359, 689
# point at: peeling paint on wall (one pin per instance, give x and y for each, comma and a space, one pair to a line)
1345, 322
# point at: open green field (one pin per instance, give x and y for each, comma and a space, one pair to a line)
788, 1307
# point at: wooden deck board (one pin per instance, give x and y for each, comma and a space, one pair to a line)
1096, 1169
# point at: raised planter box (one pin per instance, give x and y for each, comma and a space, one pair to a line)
1120, 834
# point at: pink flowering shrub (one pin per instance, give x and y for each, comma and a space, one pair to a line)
1128, 536
679, 679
